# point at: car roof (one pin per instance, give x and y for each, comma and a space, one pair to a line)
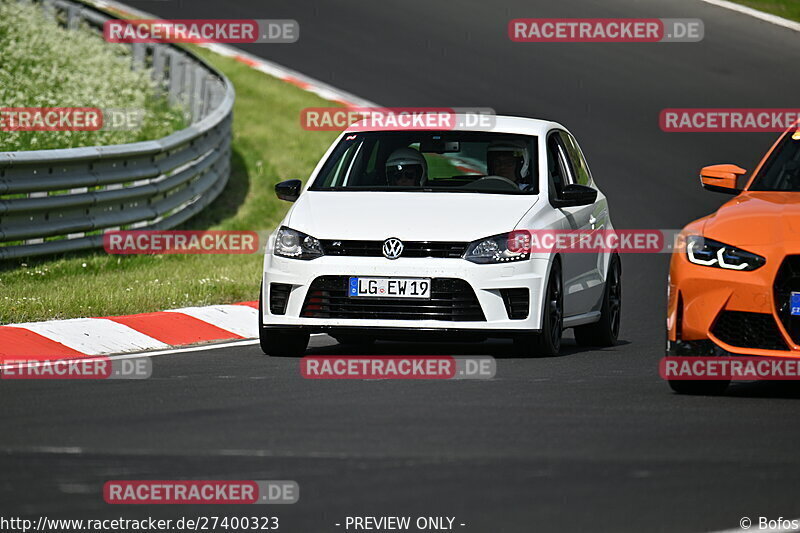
498, 124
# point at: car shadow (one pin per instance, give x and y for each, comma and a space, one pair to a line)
765, 389
497, 348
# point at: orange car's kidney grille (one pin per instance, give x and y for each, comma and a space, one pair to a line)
787, 280
749, 330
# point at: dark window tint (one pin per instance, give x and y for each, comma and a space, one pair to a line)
782, 170
581, 169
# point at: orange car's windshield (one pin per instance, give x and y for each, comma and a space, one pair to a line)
782, 170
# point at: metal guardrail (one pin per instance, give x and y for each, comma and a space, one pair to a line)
72, 196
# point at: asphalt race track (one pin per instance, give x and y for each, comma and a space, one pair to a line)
592, 440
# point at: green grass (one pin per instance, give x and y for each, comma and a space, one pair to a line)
269, 146
789, 9
45, 65
440, 166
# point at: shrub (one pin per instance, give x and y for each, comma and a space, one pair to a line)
43, 64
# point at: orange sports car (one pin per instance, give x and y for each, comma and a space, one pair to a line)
734, 287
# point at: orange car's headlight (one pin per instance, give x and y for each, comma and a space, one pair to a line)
710, 253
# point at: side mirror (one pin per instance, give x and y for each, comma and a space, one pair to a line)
721, 178
289, 190
574, 195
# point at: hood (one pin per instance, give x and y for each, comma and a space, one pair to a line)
756, 218
413, 216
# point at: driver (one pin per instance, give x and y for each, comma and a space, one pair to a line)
406, 167
510, 160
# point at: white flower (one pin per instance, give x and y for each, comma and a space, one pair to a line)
43, 64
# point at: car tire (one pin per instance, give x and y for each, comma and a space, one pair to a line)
279, 343
547, 343
605, 331
699, 388
354, 340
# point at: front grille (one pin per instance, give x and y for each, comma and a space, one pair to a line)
517, 302
278, 297
749, 330
451, 300
410, 248
787, 281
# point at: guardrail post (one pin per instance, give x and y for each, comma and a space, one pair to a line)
158, 66
49, 9
197, 93
73, 19
175, 77
186, 84
138, 55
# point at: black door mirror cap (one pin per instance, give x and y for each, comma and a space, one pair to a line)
289, 190
574, 195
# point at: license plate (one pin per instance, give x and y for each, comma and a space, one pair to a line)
794, 303
390, 287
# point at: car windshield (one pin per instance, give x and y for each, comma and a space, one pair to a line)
782, 170
432, 162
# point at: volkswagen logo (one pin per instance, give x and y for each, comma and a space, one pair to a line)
392, 248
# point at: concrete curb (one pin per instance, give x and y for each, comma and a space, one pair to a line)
80, 337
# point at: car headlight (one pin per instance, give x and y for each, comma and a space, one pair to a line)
706, 252
503, 248
296, 245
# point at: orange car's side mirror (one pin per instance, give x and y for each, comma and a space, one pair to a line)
721, 178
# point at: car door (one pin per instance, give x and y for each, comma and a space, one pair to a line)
583, 283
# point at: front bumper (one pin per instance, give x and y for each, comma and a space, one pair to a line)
712, 311
486, 281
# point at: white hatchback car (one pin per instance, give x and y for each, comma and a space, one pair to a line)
404, 233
